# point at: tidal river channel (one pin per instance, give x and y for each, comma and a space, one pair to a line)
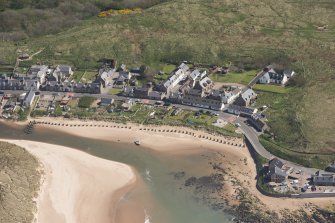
162, 192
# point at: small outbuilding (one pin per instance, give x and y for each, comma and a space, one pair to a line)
106, 101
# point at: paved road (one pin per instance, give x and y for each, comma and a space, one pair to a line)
252, 137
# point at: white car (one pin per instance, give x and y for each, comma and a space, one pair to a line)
237, 124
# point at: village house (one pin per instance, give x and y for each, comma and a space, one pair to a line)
12, 84
31, 85
60, 73
195, 75
322, 178
176, 97
156, 95
230, 96
276, 77
275, 173
128, 91
241, 110
246, 98
105, 77
91, 88
64, 71
123, 78
257, 122
28, 99
202, 95
178, 75
142, 92
38, 72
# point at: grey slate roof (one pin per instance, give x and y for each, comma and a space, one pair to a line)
280, 172
275, 162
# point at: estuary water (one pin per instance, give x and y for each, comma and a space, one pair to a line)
161, 193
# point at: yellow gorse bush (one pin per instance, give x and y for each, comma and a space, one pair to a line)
121, 11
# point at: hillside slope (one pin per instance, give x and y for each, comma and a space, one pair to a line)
251, 35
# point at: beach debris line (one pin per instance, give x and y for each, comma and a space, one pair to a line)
29, 128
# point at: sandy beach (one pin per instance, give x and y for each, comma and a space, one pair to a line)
185, 140
166, 138
77, 187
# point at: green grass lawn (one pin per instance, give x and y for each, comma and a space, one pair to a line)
161, 77
89, 76
168, 68
240, 78
271, 88
22, 70
73, 103
77, 75
203, 119
115, 91
230, 127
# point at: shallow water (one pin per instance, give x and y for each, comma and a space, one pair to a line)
161, 195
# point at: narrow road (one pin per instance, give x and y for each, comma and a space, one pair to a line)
251, 135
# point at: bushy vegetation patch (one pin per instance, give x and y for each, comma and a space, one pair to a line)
85, 102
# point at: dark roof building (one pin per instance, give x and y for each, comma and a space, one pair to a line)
106, 101
257, 122
241, 110
322, 178
142, 92
246, 98
275, 173
331, 167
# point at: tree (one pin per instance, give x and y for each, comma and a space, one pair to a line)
58, 111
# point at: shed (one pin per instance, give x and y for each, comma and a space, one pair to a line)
106, 101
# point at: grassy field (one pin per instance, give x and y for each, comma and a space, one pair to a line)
271, 88
20, 181
241, 78
316, 160
220, 32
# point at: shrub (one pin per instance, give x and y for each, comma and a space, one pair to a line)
85, 102
38, 113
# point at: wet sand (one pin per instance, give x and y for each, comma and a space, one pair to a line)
77, 187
